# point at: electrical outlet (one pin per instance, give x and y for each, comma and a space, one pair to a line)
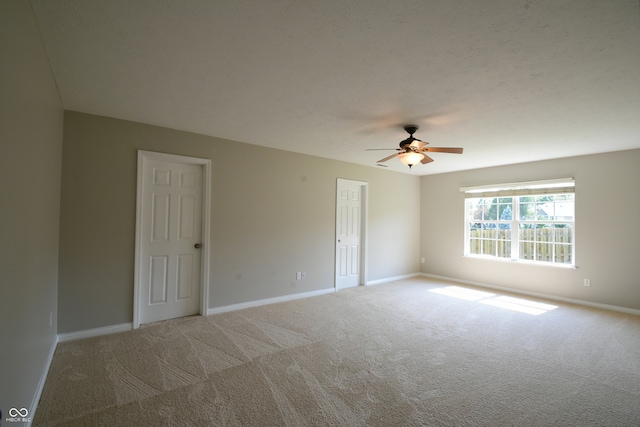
587, 282
422, 260
303, 275
299, 275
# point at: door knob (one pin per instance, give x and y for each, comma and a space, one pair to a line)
197, 246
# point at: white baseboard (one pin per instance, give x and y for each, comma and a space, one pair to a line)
393, 279
72, 336
124, 327
41, 383
617, 308
257, 303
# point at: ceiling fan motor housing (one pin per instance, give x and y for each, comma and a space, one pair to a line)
410, 129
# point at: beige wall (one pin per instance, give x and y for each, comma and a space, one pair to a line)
607, 229
30, 154
273, 213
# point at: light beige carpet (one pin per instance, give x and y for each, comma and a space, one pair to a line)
409, 353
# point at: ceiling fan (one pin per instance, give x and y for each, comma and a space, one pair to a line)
412, 150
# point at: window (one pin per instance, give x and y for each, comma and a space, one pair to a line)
522, 221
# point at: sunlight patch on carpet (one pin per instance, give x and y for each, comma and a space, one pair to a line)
520, 304
509, 303
462, 293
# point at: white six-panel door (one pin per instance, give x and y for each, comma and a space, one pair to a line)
349, 214
170, 240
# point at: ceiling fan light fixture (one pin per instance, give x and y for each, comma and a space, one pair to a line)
411, 158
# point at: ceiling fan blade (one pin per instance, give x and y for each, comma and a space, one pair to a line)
426, 159
388, 158
453, 150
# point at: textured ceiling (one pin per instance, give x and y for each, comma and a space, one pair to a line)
509, 81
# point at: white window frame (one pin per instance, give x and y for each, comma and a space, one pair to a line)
515, 191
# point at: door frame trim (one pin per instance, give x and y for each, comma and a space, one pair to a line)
143, 156
364, 215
